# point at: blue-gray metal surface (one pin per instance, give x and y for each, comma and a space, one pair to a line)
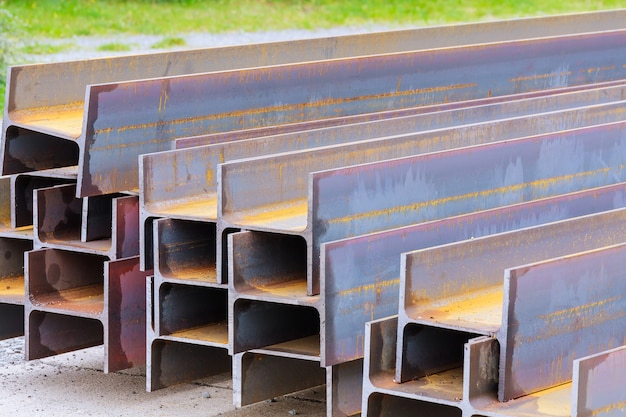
556, 311
459, 286
360, 278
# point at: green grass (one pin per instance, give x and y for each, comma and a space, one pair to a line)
114, 47
65, 18
169, 42
37, 48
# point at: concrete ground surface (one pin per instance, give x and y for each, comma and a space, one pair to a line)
74, 384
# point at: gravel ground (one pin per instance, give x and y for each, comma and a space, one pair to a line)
73, 384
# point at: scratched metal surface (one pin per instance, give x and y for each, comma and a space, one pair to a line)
177, 106
556, 311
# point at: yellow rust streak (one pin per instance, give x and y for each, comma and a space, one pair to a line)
577, 310
598, 69
609, 409
543, 183
540, 76
12, 287
291, 107
276, 213
67, 120
370, 287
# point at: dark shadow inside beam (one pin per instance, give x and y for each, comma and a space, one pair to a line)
97, 217
27, 151
174, 363
261, 324
147, 243
263, 377
428, 350
193, 312
50, 334
24, 186
11, 320
12, 270
268, 264
186, 250
222, 252
58, 214
384, 405
52, 272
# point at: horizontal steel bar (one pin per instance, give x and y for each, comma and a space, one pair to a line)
274, 95
360, 276
337, 122
463, 289
60, 223
599, 381
415, 186
167, 191
30, 86
556, 311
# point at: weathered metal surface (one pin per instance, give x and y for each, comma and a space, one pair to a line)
556, 311
6, 210
599, 381
12, 286
463, 290
360, 276
344, 388
124, 314
381, 116
353, 201
30, 86
183, 183
274, 95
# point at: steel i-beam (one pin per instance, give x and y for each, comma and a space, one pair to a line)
462, 292
46, 101
183, 183
361, 275
63, 221
76, 300
275, 95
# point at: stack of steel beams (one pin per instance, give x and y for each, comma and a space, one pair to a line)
252, 208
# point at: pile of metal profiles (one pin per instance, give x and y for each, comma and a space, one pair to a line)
267, 201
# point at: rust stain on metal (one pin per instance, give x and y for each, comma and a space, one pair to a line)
543, 183
290, 107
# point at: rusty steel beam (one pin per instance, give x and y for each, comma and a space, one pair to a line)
380, 116
52, 121
475, 393
463, 292
242, 98
273, 197
545, 327
60, 222
12, 286
30, 86
166, 188
188, 338
360, 276
76, 300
